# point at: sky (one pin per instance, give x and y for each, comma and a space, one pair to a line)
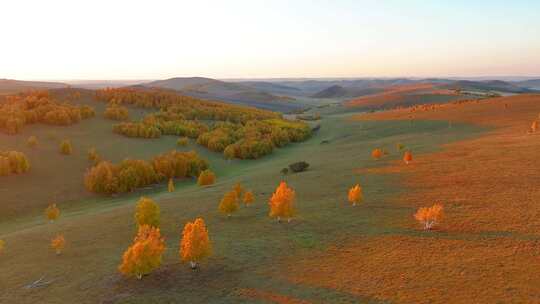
116, 39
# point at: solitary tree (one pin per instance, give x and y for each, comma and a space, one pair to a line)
170, 185
195, 244
429, 216
229, 203
534, 126
248, 198
93, 155
144, 255
2, 246
355, 195
407, 157
229, 152
58, 244
206, 177
377, 153
147, 212
32, 141
52, 212
282, 202
238, 189
65, 147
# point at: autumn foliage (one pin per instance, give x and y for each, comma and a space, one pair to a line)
13, 162
58, 243
65, 147
229, 203
534, 126
195, 244
144, 255
38, 107
52, 212
377, 153
429, 216
32, 141
355, 195
248, 198
147, 213
2, 245
170, 185
282, 202
206, 177
182, 141
407, 157
116, 112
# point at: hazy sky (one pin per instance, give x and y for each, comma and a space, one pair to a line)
113, 39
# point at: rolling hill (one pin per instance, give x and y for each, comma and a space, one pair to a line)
11, 86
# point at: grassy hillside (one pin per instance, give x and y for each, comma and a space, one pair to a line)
10, 86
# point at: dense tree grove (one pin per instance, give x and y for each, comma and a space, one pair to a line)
116, 112
130, 174
238, 132
38, 107
13, 162
144, 255
195, 243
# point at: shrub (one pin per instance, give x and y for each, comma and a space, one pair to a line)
195, 244
58, 244
13, 162
355, 195
206, 177
182, 141
147, 212
52, 212
65, 147
284, 171
429, 216
282, 202
144, 255
32, 141
298, 166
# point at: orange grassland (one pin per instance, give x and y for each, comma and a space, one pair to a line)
487, 248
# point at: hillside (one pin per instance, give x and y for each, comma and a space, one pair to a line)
10, 86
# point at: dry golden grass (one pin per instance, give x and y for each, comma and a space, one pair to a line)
390, 268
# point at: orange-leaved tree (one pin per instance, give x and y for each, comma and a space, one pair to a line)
238, 189
534, 126
249, 198
195, 244
144, 255
407, 157
52, 212
170, 185
377, 153
282, 202
229, 203
58, 243
429, 216
355, 195
147, 212
206, 177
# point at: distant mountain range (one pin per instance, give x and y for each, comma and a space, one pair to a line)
10, 86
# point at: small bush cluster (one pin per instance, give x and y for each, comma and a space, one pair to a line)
13, 162
206, 177
299, 166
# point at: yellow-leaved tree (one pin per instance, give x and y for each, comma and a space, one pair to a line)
355, 195
2, 246
206, 177
32, 141
52, 212
229, 203
282, 202
58, 244
195, 244
238, 189
147, 212
170, 185
144, 255
429, 216
65, 147
249, 198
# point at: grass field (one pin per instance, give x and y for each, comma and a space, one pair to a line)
330, 253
